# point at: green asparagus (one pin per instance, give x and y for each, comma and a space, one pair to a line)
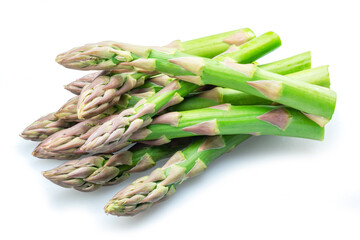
162, 182
90, 173
44, 127
318, 76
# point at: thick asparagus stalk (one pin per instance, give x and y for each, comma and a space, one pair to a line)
90, 173
107, 87
317, 102
162, 182
44, 127
289, 65
120, 129
107, 56
226, 120
318, 76
213, 45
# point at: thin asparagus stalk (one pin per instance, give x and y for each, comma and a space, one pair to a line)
317, 102
318, 76
90, 173
44, 127
119, 129
162, 182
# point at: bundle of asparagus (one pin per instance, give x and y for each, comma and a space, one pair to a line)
193, 101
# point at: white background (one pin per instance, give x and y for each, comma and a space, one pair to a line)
267, 188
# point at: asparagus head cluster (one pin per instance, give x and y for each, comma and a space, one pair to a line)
189, 102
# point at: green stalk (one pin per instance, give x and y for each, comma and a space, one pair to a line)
253, 49
90, 173
318, 76
227, 120
289, 65
162, 182
213, 45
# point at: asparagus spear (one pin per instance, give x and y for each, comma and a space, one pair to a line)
318, 76
226, 119
106, 89
90, 173
101, 57
162, 182
317, 102
44, 127
120, 129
